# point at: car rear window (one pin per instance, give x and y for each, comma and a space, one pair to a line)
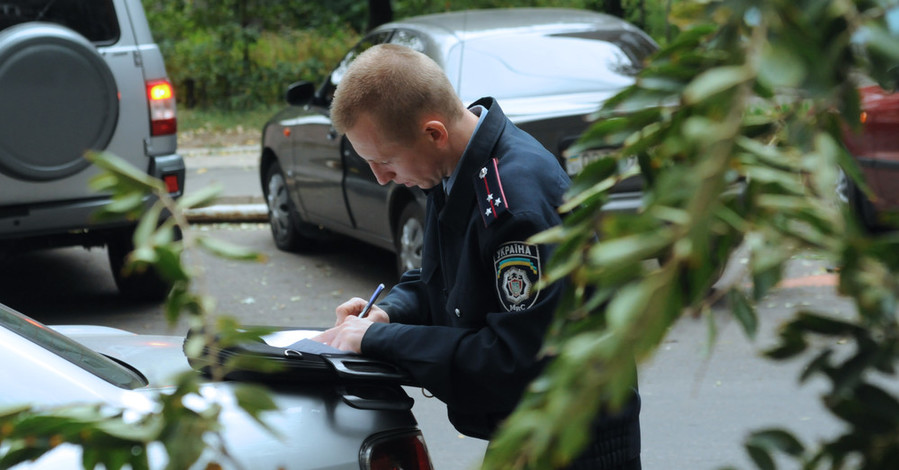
94, 19
538, 64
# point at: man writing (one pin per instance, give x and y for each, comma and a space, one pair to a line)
470, 323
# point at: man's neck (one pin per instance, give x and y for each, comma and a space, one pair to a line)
461, 134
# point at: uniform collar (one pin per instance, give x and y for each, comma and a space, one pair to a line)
480, 149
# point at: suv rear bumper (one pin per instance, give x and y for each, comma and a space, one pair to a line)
66, 223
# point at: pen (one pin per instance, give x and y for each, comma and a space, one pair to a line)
371, 301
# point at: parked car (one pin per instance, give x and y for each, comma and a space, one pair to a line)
875, 148
319, 425
74, 76
548, 68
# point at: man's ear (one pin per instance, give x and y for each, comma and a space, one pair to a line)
436, 132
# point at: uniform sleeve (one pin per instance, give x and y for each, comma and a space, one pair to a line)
407, 300
480, 370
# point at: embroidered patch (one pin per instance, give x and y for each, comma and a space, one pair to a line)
489, 189
517, 272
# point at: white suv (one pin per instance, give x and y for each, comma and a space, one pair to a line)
77, 75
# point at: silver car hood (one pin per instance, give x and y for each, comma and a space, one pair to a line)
315, 427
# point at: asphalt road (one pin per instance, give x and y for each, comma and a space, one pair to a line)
697, 407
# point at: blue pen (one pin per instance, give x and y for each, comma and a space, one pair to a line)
371, 301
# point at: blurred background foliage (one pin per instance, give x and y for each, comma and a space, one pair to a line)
239, 55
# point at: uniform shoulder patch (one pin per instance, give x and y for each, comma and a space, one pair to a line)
517, 266
489, 189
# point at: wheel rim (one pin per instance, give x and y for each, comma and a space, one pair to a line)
278, 206
843, 187
411, 242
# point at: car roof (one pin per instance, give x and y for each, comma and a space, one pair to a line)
469, 24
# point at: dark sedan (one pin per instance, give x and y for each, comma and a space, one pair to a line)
548, 68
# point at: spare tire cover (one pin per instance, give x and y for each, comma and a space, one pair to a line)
58, 99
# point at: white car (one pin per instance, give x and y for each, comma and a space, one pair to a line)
321, 425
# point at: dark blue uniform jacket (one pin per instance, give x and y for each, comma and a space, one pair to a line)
467, 325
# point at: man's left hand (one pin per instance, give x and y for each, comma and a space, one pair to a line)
347, 336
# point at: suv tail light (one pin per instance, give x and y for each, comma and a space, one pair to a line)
393, 451
161, 96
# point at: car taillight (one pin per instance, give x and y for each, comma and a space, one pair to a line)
406, 451
161, 96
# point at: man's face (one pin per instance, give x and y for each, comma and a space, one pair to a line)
409, 164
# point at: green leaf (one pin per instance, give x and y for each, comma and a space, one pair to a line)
230, 250
780, 67
714, 81
744, 312
820, 324
200, 197
125, 170
777, 439
147, 225
255, 400
631, 249
124, 203
630, 301
791, 345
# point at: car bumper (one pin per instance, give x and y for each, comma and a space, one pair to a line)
75, 218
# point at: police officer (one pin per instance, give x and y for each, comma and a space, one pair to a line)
469, 324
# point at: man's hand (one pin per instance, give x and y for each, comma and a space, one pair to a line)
355, 306
349, 330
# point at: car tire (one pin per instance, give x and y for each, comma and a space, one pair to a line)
35, 60
143, 285
282, 215
409, 237
852, 195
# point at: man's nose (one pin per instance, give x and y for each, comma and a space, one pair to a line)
383, 176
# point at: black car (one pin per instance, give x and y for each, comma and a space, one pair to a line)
549, 69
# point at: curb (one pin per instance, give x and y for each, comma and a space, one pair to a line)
211, 151
228, 213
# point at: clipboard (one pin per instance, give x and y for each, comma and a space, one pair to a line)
300, 360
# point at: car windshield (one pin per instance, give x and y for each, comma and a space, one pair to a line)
68, 349
543, 65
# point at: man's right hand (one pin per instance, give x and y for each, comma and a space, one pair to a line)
355, 306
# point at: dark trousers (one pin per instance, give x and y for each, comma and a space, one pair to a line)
615, 442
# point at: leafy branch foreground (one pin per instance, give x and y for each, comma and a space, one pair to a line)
737, 125
182, 418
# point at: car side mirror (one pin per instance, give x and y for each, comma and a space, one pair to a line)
300, 93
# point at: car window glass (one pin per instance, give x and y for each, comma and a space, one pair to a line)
68, 349
534, 65
93, 19
338, 73
408, 39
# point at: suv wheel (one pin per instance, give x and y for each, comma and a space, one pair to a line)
142, 285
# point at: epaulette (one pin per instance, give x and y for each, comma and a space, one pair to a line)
489, 189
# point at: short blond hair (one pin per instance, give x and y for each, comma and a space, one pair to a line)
397, 86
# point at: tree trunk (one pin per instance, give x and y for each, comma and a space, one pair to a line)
379, 12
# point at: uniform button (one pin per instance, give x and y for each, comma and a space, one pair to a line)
458, 313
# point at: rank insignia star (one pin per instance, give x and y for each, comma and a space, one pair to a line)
489, 189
